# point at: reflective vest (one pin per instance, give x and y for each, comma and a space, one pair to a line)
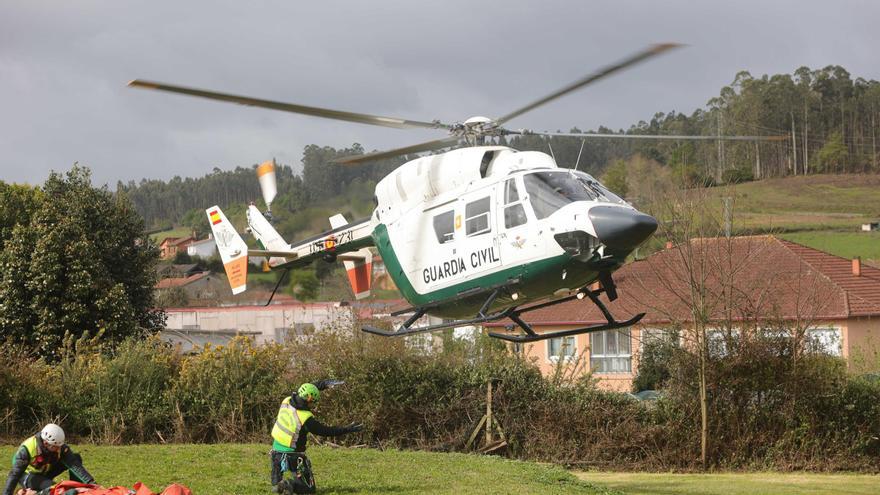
40, 461
288, 424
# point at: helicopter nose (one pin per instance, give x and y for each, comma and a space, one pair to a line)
621, 228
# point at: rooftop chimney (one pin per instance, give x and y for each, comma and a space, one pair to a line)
857, 266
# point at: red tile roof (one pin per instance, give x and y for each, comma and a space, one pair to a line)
741, 278
167, 283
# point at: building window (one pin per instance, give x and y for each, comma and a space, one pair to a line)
611, 351
656, 336
826, 340
476, 215
561, 348
444, 226
721, 342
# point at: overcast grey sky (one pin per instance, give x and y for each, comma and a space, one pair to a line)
64, 66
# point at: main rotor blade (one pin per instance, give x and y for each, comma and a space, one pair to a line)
378, 155
361, 118
632, 60
654, 136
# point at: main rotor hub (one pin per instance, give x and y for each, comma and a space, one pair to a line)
474, 129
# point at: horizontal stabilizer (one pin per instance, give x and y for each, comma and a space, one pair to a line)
288, 255
232, 248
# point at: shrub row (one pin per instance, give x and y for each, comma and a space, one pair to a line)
764, 413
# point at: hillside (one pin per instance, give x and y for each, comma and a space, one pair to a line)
821, 211
814, 202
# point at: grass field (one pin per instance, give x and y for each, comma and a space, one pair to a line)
816, 194
846, 244
236, 469
243, 469
736, 483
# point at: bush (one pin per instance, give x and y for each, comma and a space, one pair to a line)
769, 406
654, 360
120, 395
228, 393
737, 175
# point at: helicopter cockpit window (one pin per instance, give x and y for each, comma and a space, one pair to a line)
514, 213
595, 187
476, 215
444, 226
550, 191
510, 192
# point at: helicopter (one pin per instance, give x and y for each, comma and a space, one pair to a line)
472, 235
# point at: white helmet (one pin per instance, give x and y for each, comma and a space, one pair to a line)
53, 435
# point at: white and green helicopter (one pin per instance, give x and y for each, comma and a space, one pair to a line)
472, 235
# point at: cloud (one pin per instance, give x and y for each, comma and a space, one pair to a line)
63, 69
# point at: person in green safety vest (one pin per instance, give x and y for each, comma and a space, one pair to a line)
41, 458
289, 436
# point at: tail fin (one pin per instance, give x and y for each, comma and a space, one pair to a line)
232, 248
266, 235
358, 265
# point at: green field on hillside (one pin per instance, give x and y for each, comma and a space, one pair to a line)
846, 244
816, 202
239, 469
767, 483
824, 212
857, 195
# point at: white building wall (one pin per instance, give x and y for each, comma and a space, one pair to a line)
202, 249
195, 326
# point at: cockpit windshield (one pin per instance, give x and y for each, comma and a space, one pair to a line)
550, 191
604, 194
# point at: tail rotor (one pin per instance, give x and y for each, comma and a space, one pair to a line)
268, 185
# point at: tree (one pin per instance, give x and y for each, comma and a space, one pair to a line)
17, 204
833, 154
615, 178
82, 264
304, 284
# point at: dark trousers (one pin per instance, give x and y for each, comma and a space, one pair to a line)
300, 468
71, 462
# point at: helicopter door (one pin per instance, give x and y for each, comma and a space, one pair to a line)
513, 224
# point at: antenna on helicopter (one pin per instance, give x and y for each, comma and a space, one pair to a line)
550, 145
578, 161
266, 176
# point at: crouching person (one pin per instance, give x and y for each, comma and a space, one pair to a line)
290, 434
43, 457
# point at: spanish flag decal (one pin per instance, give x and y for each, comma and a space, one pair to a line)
215, 217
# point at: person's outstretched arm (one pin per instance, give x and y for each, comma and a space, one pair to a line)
325, 384
315, 427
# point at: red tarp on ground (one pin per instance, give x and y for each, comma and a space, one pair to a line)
138, 488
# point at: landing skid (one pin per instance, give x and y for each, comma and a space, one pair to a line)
514, 313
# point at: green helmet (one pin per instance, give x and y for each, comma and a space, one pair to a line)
309, 393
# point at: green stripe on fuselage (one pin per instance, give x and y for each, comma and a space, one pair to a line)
538, 280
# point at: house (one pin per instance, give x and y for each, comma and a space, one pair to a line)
170, 246
198, 287
202, 249
750, 282
172, 270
